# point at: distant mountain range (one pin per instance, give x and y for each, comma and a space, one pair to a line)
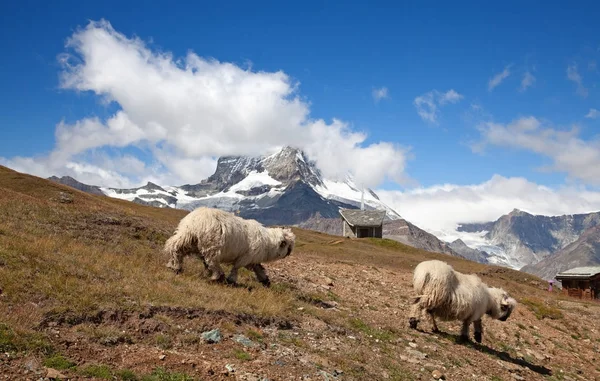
540, 245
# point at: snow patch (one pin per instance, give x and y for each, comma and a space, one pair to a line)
253, 180
477, 240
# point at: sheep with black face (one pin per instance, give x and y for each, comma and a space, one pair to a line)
219, 237
450, 295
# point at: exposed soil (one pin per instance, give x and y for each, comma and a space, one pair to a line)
357, 330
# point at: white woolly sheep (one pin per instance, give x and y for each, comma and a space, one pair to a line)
450, 295
219, 237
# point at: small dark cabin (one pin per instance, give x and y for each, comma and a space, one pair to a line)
581, 282
358, 223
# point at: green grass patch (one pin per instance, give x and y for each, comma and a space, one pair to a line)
126, 375
242, 355
10, 341
542, 310
163, 341
98, 371
58, 362
161, 374
255, 335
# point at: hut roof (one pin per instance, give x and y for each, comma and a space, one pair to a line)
579, 272
357, 217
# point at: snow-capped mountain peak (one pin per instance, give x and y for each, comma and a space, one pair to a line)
281, 188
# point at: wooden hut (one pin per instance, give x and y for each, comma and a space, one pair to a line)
358, 223
581, 282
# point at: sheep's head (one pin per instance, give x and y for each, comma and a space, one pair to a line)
286, 242
507, 305
504, 304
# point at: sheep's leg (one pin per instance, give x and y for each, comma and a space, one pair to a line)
432, 318
175, 261
261, 273
415, 312
464, 332
216, 271
207, 269
233, 274
478, 330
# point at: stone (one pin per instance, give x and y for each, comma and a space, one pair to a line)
228, 369
413, 345
416, 354
517, 377
162, 357
213, 336
65, 198
244, 341
438, 375
54, 374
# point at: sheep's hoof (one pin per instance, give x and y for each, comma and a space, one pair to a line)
412, 322
462, 339
266, 283
477, 337
435, 330
219, 279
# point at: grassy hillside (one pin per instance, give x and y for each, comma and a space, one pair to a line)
85, 292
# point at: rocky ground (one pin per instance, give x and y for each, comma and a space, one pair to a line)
353, 327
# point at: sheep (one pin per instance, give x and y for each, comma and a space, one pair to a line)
219, 237
450, 295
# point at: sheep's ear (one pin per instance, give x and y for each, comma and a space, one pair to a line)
282, 244
508, 301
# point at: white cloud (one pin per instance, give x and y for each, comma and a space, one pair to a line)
570, 154
428, 104
593, 114
441, 208
498, 78
188, 111
381, 93
574, 76
527, 81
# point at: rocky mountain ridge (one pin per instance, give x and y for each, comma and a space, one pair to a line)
585, 251
284, 188
542, 245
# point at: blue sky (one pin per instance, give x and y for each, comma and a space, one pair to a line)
338, 55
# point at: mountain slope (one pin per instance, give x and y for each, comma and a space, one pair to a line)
585, 251
69, 181
465, 251
527, 239
409, 234
85, 290
398, 230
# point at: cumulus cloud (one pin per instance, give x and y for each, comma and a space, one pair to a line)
439, 209
187, 111
574, 76
593, 114
428, 104
379, 94
571, 154
498, 78
527, 81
